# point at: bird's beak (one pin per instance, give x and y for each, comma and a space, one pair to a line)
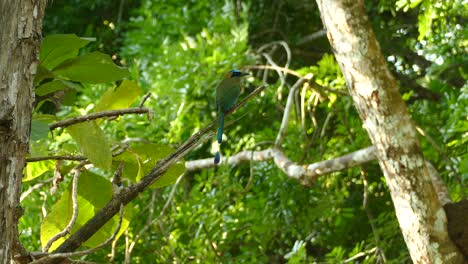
244, 74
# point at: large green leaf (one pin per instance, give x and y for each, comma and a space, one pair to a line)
141, 158
95, 67
58, 48
94, 192
119, 97
92, 143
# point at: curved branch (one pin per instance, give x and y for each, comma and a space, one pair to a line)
306, 174
287, 110
70, 224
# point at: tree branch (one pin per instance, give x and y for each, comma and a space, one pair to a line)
306, 174
49, 257
287, 110
126, 195
70, 224
111, 113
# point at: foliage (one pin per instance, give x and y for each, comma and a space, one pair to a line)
251, 213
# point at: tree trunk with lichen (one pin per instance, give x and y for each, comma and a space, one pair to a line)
375, 94
21, 23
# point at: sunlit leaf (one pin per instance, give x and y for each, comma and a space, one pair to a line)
141, 158
36, 169
92, 143
119, 97
95, 67
94, 192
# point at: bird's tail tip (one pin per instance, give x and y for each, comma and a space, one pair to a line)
217, 158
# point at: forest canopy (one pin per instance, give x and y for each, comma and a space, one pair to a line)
164, 60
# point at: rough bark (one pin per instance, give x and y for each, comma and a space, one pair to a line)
21, 24
374, 90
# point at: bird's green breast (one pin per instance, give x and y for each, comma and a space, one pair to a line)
226, 93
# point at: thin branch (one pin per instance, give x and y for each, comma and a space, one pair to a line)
144, 99
110, 113
34, 187
312, 37
70, 225
278, 70
65, 157
270, 67
360, 255
84, 252
287, 110
78, 158
126, 195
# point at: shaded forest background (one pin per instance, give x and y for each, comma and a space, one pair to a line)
252, 212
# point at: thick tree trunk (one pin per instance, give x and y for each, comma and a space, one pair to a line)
21, 24
383, 112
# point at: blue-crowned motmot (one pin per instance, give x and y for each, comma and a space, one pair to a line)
226, 95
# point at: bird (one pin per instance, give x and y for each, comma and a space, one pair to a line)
227, 92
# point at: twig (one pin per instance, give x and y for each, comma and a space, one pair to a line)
110, 113
278, 70
144, 99
84, 252
282, 75
360, 255
65, 157
68, 228
324, 127
270, 67
74, 158
126, 195
34, 187
313, 36
287, 110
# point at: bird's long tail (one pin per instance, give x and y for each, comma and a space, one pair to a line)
217, 157
220, 127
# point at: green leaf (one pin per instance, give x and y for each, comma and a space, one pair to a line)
92, 143
36, 169
50, 87
39, 129
119, 97
94, 192
40, 126
55, 85
57, 48
95, 67
141, 158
